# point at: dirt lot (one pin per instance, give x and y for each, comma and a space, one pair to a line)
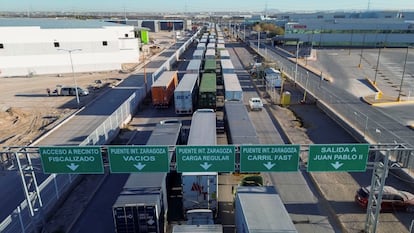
26, 111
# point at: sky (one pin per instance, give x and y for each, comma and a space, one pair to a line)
202, 5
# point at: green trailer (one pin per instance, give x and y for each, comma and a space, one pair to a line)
210, 66
207, 91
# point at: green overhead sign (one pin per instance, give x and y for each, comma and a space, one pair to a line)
205, 158
269, 158
130, 159
338, 158
75, 160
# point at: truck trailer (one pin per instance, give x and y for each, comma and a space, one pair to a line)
260, 209
185, 95
200, 191
163, 88
215, 228
142, 205
208, 91
273, 78
232, 88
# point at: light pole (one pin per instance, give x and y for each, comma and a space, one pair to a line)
376, 68
306, 87
403, 73
244, 32
362, 50
73, 72
296, 63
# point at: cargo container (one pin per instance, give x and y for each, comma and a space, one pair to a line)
220, 47
227, 66
200, 191
210, 54
273, 78
232, 88
198, 229
163, 88
260, 209
210, 66
207, 92
194, 67
185, 95
240, 129
201, 46
224, 54
198, 54
142, 205
203, 128
211, 45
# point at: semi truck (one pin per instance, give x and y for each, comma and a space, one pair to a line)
260, 209
142, 205
200, 191
232, 88
215, 228
273, 78
185, 95
208, 91
163, 88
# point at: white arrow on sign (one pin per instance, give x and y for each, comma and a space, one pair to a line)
205, 165
72, 166
139, 166
269, 165
337, 165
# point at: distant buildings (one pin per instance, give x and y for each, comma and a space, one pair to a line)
354, 29
33, 46
352, 32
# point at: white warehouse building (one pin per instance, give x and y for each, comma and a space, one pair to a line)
51, 46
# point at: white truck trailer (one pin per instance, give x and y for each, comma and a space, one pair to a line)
200, 191
185, 94
198, 229
232, 88
260, 209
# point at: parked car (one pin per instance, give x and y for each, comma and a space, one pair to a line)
392, 199
255, 103
72, 91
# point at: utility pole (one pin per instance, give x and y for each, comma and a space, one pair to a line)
73, 72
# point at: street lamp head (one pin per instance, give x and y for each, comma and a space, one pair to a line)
69, 50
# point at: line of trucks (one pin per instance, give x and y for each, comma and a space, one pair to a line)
142, 207
147, 202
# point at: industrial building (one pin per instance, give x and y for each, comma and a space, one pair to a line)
352, 32
349, 29
33, 46
157, 25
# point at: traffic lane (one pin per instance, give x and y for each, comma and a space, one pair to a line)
304, 204
293, 188
403, 113
12, 190
97, 216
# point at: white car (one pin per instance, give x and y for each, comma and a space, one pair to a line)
255, 103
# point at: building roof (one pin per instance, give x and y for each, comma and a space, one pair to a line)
49, 23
